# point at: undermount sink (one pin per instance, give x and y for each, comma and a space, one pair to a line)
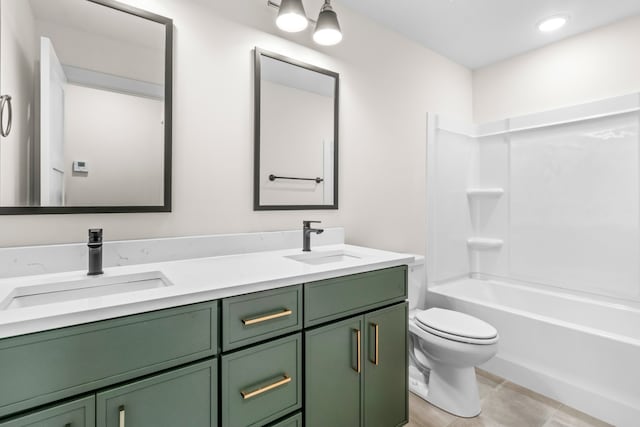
324, 257
49, 293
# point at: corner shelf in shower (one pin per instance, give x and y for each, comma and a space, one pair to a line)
484, 243
485, 192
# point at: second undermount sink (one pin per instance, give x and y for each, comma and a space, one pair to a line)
90, 287
324, 257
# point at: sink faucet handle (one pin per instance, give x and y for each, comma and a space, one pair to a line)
95, 235
307, 224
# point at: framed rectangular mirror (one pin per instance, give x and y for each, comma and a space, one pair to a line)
87, 88
296, 134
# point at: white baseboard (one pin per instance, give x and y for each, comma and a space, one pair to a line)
588, 401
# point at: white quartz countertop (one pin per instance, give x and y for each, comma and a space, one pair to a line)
192, 281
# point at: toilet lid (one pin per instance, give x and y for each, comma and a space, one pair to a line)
456, 324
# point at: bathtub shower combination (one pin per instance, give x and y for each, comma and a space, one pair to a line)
534, 226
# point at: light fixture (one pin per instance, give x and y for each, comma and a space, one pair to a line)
553, 23
327, 32
291, 16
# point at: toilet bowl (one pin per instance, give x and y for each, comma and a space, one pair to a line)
452, 344
445, 346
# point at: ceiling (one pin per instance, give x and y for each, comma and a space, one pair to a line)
99, 20
476, 33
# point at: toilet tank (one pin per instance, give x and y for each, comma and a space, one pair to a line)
417, 283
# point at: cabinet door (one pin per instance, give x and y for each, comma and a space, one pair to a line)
385, 367
79, 413
182, 397
333, 374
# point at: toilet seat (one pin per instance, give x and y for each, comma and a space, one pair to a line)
456, 326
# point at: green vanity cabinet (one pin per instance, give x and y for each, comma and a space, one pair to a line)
330, 353
355, 376
183, 397
78, 413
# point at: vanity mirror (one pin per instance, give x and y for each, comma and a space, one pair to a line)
296, 134
90, 108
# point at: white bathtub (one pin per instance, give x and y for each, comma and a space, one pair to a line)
580, 351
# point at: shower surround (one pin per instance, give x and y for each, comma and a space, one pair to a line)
534, 226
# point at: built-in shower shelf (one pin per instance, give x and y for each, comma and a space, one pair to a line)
485, 192
484, 243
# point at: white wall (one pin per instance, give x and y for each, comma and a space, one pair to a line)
17, 62
387, 85
295, 124
596, 65
125, 168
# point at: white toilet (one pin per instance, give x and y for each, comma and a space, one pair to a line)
444, 348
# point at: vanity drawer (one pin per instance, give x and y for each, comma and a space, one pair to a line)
332, 299
255, 317
53, 365
292, 421
79, 413
183, 397
262, 383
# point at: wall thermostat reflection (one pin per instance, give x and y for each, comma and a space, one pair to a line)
80, 166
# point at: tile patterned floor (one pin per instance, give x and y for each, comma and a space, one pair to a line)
504, 404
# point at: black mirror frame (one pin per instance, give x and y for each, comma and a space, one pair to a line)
168, 133
256, 153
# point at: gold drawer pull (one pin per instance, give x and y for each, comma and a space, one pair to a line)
254, 320
249, 394
121, 414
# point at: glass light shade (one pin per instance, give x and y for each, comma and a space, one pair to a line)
292, 17
327, 31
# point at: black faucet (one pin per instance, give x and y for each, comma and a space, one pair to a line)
95, 251
306, 234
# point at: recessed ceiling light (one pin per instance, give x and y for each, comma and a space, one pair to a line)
553, 23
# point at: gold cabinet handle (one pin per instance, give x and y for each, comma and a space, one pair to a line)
376, 356
260, 319
121, 416
358, 349
249, 394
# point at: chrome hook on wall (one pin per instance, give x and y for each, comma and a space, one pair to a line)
5, 100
